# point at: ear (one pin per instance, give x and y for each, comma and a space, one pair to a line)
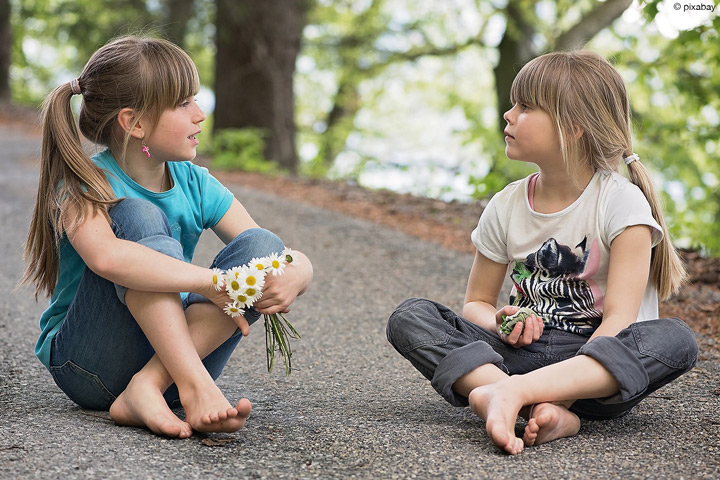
128, 121
579, 132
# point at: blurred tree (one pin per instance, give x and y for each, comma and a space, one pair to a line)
257, 46
5, 51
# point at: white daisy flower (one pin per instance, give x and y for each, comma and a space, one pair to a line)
253, 295
258, 264
255, 280
288, 255
235, 279
233, 309
217, 279
242, 299
276, 264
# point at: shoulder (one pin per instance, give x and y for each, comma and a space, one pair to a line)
188, 170
616, 190
623, 204
512, 193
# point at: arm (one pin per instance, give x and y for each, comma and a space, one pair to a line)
481, 297
627, 279
133, 265
279, 291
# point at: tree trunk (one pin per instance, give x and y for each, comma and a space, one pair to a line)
516, 49
176, 14
5, 49
257, 45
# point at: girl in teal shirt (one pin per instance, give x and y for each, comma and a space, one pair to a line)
112, 238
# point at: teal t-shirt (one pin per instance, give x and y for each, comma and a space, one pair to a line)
197, 201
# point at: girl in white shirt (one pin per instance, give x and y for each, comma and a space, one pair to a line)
587, 250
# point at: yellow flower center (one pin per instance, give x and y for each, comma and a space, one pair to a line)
260, 266
250, 291
275, 264
241, 298
250, 280
215, 280
235, 285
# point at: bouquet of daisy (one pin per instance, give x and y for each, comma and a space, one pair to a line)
244, 285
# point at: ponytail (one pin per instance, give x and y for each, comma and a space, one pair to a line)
69, 182
667, 271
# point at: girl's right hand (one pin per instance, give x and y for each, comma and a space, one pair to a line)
519, 337
220, 298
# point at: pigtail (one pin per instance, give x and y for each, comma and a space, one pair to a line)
69, 181
667, 271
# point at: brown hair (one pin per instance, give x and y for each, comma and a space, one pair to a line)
581, 89
148, 75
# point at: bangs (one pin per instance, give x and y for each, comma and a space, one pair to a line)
538, 82
172, 76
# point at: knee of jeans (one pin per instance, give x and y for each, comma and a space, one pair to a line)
136, 218
252, 243
414, 324
668, 340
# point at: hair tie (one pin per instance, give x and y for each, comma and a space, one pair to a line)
631, 158
75, 87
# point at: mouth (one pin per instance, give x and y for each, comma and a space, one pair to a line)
193, 136
507, 135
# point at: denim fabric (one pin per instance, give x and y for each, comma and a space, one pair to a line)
100, 346
444, 346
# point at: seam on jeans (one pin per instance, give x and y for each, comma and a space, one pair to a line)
91, 376
670, 362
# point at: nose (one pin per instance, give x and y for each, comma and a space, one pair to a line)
199, 115
508, 116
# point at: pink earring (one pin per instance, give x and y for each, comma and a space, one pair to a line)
145, 149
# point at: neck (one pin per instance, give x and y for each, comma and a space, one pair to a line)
555, 190
149, 174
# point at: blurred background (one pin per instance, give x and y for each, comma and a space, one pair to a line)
405, 95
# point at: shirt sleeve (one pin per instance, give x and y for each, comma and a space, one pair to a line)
216, 199
627, 207
490, 236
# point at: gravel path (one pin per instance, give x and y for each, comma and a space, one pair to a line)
353, 408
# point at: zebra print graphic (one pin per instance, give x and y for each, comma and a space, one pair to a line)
551, 282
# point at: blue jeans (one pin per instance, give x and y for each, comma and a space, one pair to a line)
99, 346
444, 347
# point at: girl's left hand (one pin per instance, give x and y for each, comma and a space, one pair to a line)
279, 292
522, 336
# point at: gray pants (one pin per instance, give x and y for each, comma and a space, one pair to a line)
444, 346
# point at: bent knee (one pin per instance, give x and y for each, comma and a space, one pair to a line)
669, 340
136, 218
414, 323
258, 242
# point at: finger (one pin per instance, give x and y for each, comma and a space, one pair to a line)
516, 334
539, 326
242, 325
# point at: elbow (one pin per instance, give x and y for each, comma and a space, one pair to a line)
103, 264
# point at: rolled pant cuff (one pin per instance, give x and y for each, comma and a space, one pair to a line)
622, 363
460, 362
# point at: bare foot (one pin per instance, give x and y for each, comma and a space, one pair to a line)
142, 405
499, 407
549, 422
207, 410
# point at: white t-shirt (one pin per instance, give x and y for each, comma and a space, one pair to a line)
559, 262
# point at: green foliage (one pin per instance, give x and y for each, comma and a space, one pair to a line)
676, 108
241, 149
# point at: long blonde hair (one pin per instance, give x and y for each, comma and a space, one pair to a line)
148, 75
581, 89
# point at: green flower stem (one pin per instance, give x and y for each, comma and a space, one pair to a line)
277, 332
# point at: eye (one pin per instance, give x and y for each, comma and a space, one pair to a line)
524, 107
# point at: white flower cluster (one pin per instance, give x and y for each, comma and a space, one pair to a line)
244, 284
